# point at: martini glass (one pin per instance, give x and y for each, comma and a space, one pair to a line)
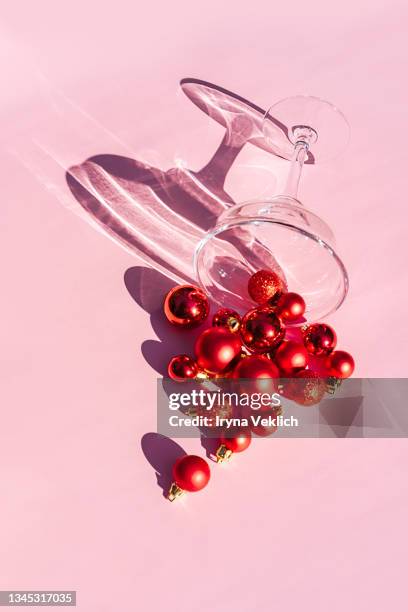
280, 233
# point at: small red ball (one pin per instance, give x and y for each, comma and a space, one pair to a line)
186, 306
290, 307
306, 388
216, 348
264, 285
260, 429
259, 369
319, 339
236, 439
290, 357
182, 368
340, 364
255, 366
191, 473
262, 329
227, 318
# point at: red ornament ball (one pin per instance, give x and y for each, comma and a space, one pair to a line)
262, 329
191, 473
290, 307
306, 388
264, 285
227, 318
182, 368
340, 364
319, 339
236, 439
216, 348
255, 366
262, 429
290, 357
186, 306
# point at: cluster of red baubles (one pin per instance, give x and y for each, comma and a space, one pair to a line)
253, 347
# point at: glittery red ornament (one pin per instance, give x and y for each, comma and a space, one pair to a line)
306, 388
290, 307
290, 357
216, 348
186, 306
319, 339
340, 364
261, 329
227, 318
265, 285
236, 439
260, 428
191, 473
182, 368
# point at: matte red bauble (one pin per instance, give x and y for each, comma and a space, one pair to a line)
290, 307
236, 439
319, 339
216, 348
227, 318
290, 357
261, 428
262, 329
191, 473
182, 368
186, 306
306, 388
340, 364
264, 285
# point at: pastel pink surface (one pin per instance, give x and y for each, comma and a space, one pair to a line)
289, 525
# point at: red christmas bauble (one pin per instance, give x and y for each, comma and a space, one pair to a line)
236, 439
262, 329
265, 285
306, 388
290, 357
182, 368
227, 318
319, 339
186, 306
216, 348
191, 473
265, 430
340, 364
290, 307
255, 366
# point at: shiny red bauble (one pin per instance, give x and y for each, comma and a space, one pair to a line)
306, 388
262, 329
191, 473
236, 439
339, 364
319, 339
186, 306
290, 307
182, 368
263, 428
216, 348
227, 318
265, 285
290, 357
255, 366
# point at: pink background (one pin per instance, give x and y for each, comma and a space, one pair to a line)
290, 525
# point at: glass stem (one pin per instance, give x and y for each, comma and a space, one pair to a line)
295, 171
304, 137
